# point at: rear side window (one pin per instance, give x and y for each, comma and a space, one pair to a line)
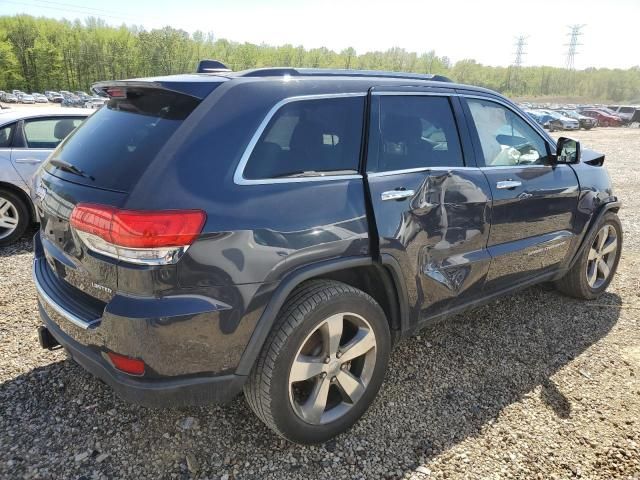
49, 132
309, 138
117, 143
414, 132
6, 133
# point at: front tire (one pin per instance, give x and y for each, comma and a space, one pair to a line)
593, 271
14, 217
322, 364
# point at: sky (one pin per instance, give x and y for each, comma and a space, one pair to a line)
484, 30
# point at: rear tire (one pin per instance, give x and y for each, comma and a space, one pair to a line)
314, 339
586, 279
14, 217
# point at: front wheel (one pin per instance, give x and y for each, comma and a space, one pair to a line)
593, 271
322, 364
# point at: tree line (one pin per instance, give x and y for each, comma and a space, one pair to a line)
38, 54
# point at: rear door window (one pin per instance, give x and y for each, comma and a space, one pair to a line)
116, 144
49, 132
6, 133
309, 138
413, 131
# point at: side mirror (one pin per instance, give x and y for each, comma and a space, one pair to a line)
567, 150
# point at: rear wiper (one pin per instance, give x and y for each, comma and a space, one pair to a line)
67, 167
314, 173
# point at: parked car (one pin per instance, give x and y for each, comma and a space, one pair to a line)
54, 97
545, 120
202, 234
585, 122
604, 119
626, 113
72, 101
567, 123
95, 102
27, 137
9, 98
40, 98
26, 98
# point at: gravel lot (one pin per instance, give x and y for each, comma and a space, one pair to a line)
535, 385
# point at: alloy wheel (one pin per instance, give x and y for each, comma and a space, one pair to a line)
332, 368
9, 217
602, 256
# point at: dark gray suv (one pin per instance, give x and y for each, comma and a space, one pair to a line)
279, 230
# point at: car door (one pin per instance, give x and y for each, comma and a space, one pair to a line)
534, 199
36, 138
431, 204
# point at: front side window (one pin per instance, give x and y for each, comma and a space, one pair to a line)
49, 132
506, 139
5, 136
413, 132
309, 138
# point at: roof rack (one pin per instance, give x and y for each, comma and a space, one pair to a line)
306, 72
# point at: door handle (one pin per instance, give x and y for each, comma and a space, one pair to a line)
28, 160
508, 184
397, 194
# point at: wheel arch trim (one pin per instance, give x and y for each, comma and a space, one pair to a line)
613, 205
295, 278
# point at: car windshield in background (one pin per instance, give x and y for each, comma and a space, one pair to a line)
116, 144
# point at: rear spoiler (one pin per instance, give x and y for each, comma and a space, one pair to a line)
177, 84
212, 66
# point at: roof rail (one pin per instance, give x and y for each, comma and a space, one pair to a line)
305, 72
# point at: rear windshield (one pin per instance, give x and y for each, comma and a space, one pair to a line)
116, 144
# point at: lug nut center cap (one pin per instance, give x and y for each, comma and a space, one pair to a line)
334, 367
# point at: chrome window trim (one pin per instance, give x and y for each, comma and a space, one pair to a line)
413, 94
418, 170
238, 176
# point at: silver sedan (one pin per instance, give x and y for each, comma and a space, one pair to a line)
27, 137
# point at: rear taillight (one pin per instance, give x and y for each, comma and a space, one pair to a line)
144, 237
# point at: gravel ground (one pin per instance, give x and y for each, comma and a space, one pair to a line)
534, 385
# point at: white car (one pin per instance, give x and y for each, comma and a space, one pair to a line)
27, 137
567, 122
40, 98
26, 98
96, 102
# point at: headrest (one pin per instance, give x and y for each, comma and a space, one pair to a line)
63, 128
401, 129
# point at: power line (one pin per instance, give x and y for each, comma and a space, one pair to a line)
514, 69
76, 9
574, 34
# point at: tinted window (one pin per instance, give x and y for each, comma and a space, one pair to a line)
5, 136
49, 132
309, 136
506, 139
117, 143
414, 132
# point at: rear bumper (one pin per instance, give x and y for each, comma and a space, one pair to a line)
150, 393
189, 359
